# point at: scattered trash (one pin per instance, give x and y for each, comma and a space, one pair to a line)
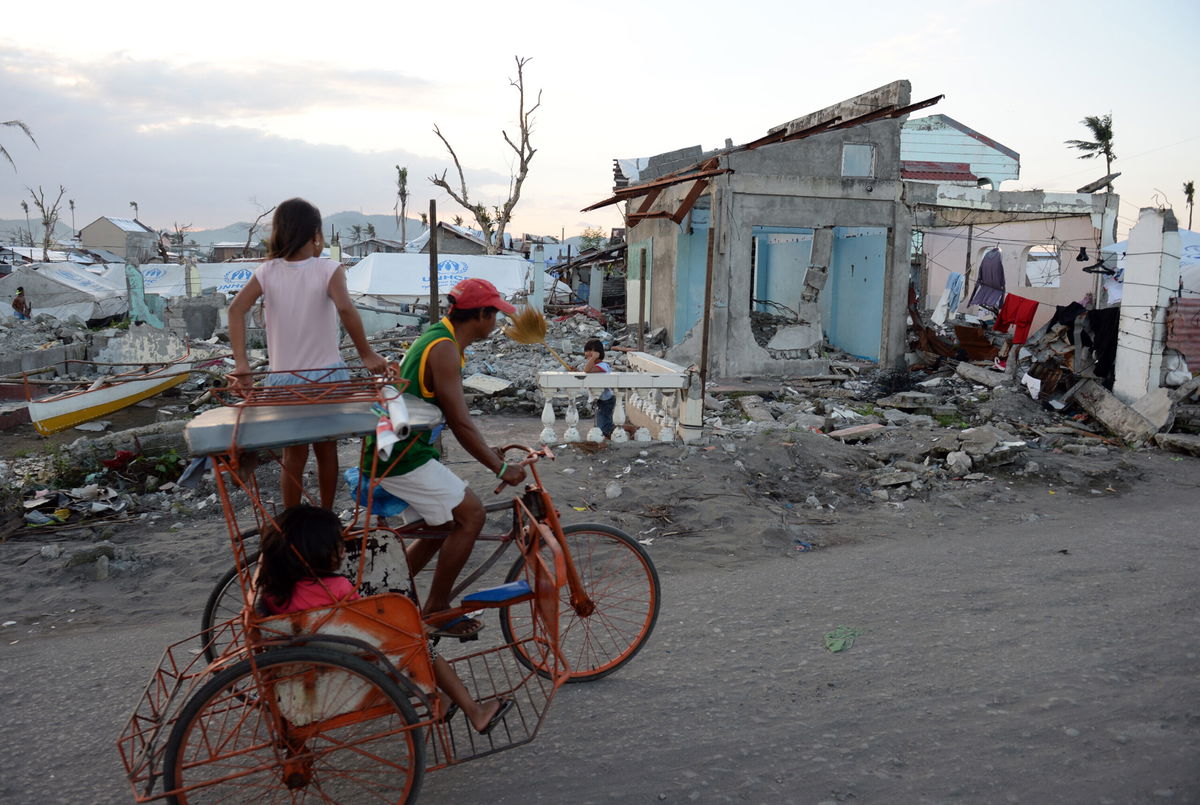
841, 638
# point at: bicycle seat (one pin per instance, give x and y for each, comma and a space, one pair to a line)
383, 502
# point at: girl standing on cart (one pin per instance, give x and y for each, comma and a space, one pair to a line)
304, 295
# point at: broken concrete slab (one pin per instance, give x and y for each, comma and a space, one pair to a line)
977, 374
1186, 443
857, 433
486, 384
909, 401
1121, 420
755, 409
892, 478
1157, 407
958, 463
799, 336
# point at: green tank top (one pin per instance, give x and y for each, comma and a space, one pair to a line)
418, 448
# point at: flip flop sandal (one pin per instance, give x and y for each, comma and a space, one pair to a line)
462, 635
505, 706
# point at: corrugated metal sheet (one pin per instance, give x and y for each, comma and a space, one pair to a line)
1183, 329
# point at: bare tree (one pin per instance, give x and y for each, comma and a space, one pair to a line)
250, 230
134, 204
49, 212
425, 220
493, 222
19, 125
401, 207
178, 237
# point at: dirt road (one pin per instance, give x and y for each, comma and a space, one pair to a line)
1027, 647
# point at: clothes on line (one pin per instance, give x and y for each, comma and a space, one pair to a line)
989, 290
948, 303
1017, 312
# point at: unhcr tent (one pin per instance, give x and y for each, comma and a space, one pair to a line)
169, 279
405, 277
67, 290
1189, 260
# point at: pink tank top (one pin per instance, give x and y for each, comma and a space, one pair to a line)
300, 316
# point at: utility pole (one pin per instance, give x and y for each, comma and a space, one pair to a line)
435, 312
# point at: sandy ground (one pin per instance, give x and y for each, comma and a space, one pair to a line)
1023, 639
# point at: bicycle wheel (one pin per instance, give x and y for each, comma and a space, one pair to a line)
340, 730
621, 581
224, 602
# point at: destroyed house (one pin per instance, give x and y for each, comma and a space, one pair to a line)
825, 223
809, 219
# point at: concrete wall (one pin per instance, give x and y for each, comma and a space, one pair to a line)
945, 251
796, 184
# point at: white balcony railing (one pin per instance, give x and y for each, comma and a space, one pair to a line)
662, 400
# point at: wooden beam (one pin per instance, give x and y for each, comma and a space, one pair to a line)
689, 201
642, 189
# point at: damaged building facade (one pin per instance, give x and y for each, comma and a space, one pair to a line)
816, 220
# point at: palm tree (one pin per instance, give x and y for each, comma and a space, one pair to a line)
369, 231
28, 226
356, 232
135, 209
1189, 194
16, 124
1101, 143
401, 207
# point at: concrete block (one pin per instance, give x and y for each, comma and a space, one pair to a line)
857, 433
486, 384
977, 374
958, 463
1121, 420
1156, 407
908, 401
1179, 443
755, 409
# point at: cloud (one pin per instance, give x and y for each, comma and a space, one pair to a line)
121, 136
156, 90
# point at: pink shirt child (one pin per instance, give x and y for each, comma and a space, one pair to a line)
309, 593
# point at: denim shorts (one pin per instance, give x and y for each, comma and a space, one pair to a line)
337, 373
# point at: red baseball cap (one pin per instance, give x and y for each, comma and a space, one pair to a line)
474, 292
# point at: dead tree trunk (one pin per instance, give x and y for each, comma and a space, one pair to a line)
493, 227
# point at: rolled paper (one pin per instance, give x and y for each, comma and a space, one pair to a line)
397, 411
385, 437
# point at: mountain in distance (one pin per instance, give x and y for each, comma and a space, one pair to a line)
385, 227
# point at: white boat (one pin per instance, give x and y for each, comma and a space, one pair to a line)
113, 392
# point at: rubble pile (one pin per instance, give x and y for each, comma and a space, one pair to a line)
40, 332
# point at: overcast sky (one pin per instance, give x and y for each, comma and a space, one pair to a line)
201, 112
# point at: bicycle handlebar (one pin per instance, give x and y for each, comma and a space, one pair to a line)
531, 457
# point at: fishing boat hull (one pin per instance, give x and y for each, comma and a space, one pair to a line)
61, 411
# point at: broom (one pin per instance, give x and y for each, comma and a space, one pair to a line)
528, 326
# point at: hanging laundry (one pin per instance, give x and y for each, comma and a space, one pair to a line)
1103, 325
989, 289
954, 285
1066, 315
1017, 313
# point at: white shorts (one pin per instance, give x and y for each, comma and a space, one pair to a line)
431, 490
